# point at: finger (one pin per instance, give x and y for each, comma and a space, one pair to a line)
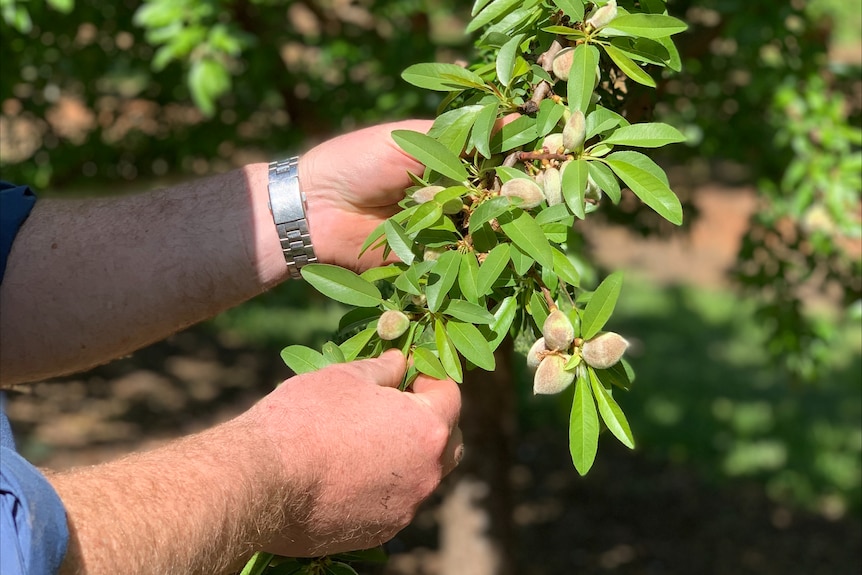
386, 371
454, 452
505, 121
442, 396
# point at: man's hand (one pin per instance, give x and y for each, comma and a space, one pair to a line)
330, 461
352, 184
365, 454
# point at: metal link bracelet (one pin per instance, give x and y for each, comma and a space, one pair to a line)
287, 204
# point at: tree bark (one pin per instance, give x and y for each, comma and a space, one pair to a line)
476, 535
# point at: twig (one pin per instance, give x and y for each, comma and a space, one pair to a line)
544, 88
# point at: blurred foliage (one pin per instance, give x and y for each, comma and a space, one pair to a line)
129, 89
758, 87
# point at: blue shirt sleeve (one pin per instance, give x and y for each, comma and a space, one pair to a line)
15, 205
33, 529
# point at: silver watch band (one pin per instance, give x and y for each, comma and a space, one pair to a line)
287, 204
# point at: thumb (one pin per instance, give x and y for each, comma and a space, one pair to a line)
387, 370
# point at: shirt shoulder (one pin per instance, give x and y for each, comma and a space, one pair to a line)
34, 531
16, 202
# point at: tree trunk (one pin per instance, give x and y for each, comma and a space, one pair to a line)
476, 535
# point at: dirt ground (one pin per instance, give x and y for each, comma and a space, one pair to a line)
632, 515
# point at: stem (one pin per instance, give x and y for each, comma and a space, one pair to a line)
546, 60
529, 156
546, 293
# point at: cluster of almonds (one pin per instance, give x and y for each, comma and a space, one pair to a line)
552, 355
547, 182
548, 185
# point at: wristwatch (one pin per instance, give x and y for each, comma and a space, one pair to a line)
287, 204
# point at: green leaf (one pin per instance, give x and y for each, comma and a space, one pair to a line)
504, 316
208, 79
453, 127
477, 6
553, 214
426, 216
483, 126
611, 413
606, 180
558, 233
431, 153
515, 20
601, 305
539, 309
645, 135
582, 77
492, 12
650, 189
338, 568
565, 269
629, 67
441, 77
494, 264
378, 232
506, 58
522, 262
652, 26
441, 278
484, 239
407, 339
506, 173
448, 355
353, 346
399, 241
643, 50
426, 362
522, 229
521, 131
674, 62
563, 31
540, 73
257, 564
357, 318
303, 359
333, 353
64, 6
341, 285
643, 162
488, 210
653, 6
574, 9
583, 426
466, 311
468, 277
574, 183
601, 120
408, 282
471, 343
619, 374
548, 116
381, 273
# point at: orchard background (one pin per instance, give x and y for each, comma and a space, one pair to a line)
747, 406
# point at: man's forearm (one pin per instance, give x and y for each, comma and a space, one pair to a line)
91, 280
200, 505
